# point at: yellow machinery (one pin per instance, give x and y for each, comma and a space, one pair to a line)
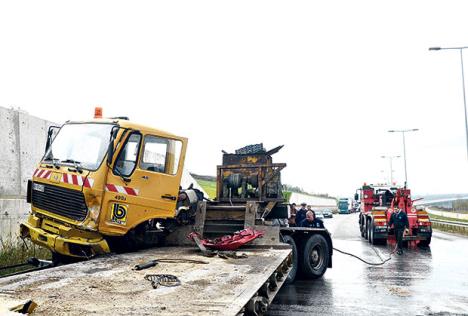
104, 179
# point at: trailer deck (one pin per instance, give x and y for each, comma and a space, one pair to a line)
108, 285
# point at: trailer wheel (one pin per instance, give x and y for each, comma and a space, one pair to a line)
315, 256
292, 274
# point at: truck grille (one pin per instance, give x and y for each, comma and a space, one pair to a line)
58, 200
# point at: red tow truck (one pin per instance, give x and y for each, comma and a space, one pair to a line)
378, 203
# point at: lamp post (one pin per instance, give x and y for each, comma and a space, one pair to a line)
390, 158
460, 49
403, 131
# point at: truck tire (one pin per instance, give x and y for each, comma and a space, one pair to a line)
425, 243
314, 257
361, 225
292, 274
370, 233
366, 229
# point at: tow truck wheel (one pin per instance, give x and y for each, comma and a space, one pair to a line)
425, 242
292, 274
371, 233
314, 257
366, 229
361, 225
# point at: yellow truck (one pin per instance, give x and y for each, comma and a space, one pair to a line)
103, 179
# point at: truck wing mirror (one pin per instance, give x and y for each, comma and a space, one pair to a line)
110, 149
51, 133
356, 196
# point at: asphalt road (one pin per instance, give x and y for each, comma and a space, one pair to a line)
431, 281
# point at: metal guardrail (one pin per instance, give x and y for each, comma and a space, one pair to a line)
459, 224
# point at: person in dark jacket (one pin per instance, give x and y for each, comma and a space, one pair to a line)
399, 220
292, 215
311, 221
301, 214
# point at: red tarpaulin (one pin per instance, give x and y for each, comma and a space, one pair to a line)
229, 242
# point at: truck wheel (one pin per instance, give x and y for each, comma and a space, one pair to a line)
371, 233
366, 229
426, 242
361, 225
315, 255
295, 260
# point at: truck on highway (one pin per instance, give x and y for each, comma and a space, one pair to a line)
343, 206
110, 185
378, 203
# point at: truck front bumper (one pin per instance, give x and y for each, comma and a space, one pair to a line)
77, 243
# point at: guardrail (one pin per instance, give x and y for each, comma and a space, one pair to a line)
450, 226
461, 224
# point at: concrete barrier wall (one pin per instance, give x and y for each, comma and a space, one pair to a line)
22, 143
314, 201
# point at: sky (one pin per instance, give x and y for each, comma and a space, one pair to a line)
327, 79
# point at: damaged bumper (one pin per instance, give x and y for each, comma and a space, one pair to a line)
63, 239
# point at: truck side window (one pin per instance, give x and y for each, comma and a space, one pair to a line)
128, 156
161, 154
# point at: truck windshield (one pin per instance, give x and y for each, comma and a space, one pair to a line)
82, 145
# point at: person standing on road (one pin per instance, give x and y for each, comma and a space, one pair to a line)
292, 215
301, 214
399, 220
312, 221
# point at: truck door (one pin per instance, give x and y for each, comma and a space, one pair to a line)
145, 179
160, 171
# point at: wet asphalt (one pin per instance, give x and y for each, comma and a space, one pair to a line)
430, 281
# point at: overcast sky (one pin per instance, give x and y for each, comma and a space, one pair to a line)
325, 78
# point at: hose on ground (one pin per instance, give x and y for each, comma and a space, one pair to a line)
365, 261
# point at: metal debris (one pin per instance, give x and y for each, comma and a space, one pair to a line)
157, 280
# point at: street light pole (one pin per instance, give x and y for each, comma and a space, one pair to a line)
390, 158
403, 131
461, 48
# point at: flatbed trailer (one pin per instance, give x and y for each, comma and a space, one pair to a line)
107, 285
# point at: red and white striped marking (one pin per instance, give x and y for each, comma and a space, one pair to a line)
121, 189
77, 180
42, 173
66, 178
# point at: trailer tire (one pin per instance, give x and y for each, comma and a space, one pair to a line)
315, 256
295, 259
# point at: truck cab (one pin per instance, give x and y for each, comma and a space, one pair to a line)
100, 180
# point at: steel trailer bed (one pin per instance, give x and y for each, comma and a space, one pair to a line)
108, 285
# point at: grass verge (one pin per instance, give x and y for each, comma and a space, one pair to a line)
15, 251
209, 187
